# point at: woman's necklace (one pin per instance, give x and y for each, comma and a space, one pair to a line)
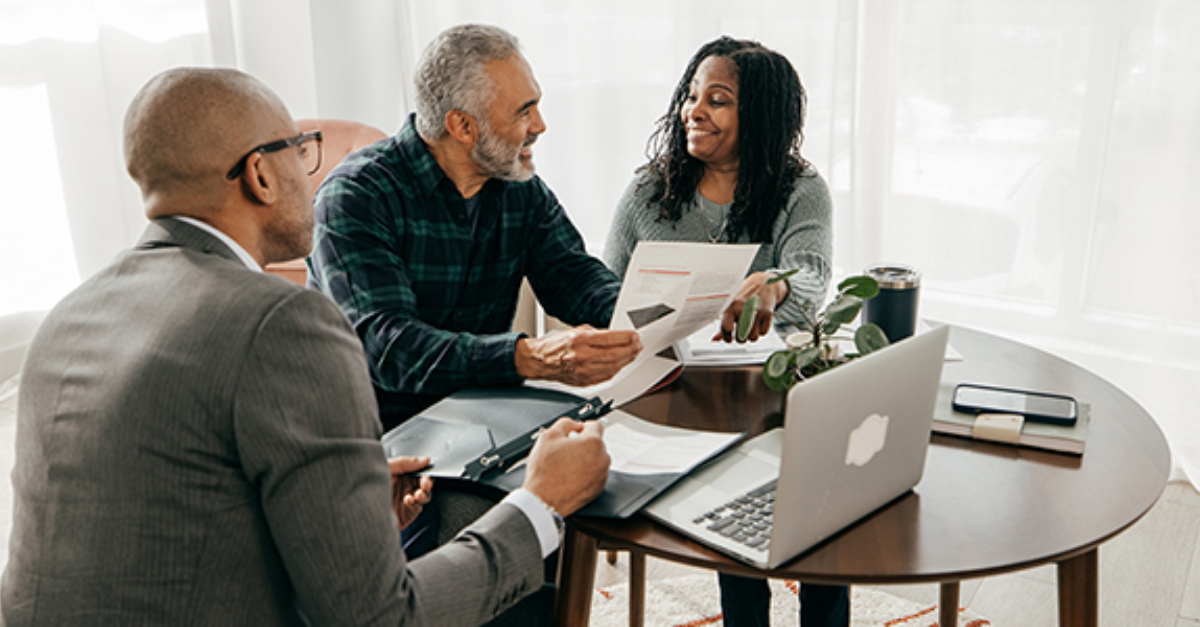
717, 186
721, 229
704, 203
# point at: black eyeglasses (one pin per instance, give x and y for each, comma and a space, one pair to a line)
310, 156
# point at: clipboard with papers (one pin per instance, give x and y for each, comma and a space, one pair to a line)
477, 424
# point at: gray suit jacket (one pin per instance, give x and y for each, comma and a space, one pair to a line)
197, 443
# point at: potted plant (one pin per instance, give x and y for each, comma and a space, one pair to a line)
818, 353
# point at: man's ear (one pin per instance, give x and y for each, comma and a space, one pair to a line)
259, 180
462, 126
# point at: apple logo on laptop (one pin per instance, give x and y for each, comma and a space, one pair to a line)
866, 440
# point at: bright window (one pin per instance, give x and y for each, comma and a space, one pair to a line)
36, 252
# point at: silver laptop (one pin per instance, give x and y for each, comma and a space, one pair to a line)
854, 439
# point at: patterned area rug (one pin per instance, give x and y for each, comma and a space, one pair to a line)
694, 602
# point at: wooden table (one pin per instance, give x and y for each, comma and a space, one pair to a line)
981, 508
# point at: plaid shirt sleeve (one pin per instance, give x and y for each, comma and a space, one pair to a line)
570, 284
354, 262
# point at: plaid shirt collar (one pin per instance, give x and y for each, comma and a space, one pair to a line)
427, 174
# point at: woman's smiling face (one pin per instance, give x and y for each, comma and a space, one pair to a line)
710, 113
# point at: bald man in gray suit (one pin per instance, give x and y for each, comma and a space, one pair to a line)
197, 442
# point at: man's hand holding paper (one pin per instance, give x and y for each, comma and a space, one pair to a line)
580, 356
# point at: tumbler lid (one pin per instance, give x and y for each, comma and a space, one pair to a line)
895, 277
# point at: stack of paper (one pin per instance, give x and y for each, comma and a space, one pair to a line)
699, 349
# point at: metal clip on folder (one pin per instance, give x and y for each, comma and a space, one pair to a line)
501, 457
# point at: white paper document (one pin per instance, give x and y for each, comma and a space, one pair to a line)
671, 290
638, 447
631, 382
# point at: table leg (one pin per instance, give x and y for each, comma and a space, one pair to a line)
637, 589
576, 577
1079, 590
948, 604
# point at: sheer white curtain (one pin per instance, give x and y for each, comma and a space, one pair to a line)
68, 69
1035, 160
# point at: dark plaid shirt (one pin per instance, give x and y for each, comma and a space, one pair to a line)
432, 292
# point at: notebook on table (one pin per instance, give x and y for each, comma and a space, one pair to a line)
854, 439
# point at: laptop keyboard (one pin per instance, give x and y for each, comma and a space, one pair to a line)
746, 519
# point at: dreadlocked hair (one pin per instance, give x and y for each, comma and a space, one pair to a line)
771, 109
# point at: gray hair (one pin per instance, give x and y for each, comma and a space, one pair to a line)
452, 75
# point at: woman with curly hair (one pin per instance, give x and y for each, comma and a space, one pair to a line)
725, 167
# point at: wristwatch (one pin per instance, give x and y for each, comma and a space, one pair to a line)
559, 523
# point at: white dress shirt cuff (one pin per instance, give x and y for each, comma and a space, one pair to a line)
540, 516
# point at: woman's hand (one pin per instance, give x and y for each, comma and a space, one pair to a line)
769, 296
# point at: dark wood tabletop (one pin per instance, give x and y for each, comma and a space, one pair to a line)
980, 509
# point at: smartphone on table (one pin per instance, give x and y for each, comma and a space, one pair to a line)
1056, 409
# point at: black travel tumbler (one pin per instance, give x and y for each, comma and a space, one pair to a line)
895, 308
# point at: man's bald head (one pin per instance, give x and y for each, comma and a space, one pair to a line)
187, 127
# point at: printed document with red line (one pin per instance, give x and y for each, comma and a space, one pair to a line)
671, 290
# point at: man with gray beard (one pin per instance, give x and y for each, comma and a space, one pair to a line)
424, 238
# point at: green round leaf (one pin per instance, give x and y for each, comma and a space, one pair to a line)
869, 338
861, 286
807, 356
749, 311
843, 309
781, 384
777, 372
778, 364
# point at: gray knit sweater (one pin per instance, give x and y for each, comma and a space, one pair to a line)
802, 237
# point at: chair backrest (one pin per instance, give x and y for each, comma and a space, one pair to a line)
339, 138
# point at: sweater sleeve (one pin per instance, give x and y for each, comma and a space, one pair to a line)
803, 240
622, 236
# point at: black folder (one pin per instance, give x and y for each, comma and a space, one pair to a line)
468, 424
